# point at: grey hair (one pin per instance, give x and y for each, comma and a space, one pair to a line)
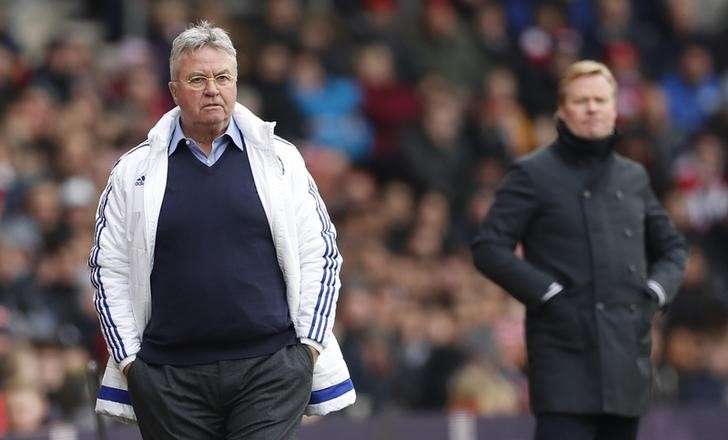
199, 35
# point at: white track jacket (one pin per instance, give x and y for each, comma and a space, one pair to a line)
303, 235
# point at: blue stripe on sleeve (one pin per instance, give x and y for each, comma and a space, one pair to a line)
326, 269
108, 328
331, 285
111, 331
331, 392
331, 267
105, 327
334, 258
114, 394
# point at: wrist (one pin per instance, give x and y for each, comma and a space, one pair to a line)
657, 292
553, 290
125, 363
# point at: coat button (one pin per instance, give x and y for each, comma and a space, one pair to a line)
627, 232
632, 268
633, 307
619, 194
600, 306
587, 194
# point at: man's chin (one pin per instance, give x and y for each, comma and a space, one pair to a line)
595, 134
214, 119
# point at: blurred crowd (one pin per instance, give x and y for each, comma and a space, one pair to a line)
408, 114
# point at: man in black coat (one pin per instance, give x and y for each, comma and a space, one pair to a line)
600, 257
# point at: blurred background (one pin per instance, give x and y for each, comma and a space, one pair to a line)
408, 114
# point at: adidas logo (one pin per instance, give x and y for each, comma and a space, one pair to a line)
139, 181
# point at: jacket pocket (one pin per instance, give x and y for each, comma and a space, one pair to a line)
136, 230
557, 323
643, 313
138, 286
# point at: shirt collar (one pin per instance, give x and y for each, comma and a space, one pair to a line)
232, 132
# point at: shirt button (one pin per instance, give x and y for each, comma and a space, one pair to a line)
632, 268
587, 194
600, 306
627, 232
187, 141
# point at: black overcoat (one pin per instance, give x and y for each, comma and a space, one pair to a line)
596, 228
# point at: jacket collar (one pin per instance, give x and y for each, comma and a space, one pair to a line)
256, 132
232, 132
575, 148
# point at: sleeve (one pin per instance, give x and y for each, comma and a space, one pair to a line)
109, 266
666, 250
504, 226
319, 258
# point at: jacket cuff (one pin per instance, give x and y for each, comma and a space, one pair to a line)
658, 291
554, 289
313, 344
126, 361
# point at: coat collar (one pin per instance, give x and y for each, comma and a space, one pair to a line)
256, 132
577, 149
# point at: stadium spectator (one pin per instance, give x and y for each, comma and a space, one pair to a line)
388, 103
435, 151
440, 46
693, 92
271, 81
330, 104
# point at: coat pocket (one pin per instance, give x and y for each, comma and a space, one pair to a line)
643, 313
138, 287
558, 324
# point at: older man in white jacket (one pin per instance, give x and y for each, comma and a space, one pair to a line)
216, 269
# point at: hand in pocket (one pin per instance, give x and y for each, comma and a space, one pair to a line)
561, 322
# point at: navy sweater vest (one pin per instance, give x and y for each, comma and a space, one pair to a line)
217, 290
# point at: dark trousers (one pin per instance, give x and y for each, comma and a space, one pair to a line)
256, 398
558, 426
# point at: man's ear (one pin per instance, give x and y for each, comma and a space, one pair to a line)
173, 90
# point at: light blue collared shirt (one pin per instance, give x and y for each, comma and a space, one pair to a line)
219, 144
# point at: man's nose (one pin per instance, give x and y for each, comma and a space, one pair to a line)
591, 106
211, 87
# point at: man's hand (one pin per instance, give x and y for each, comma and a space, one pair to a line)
126, 368
314, 353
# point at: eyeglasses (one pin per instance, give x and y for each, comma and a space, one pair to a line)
199, 82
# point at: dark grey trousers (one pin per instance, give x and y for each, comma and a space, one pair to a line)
559, 426
255, 398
